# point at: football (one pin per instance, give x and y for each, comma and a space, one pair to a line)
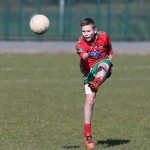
39, 24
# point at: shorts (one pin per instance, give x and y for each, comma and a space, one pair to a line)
92, 74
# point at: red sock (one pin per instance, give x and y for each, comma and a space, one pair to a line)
98, 80
87, 129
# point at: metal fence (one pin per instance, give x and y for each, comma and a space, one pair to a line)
123, 20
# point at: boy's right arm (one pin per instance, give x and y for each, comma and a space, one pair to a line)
81, 51
84, 53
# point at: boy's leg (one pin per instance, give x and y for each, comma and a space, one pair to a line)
88, 107
101, 73
88, 111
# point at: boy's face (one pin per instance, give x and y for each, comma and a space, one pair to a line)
88, 32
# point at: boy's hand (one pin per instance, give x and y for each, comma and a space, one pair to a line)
95, 54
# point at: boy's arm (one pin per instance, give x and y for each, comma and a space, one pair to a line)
110, 57
85, 56
84, 53
110, 50
81, 51
94, 54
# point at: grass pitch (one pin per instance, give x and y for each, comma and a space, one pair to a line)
42, 98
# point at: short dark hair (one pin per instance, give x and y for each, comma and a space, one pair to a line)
88, 21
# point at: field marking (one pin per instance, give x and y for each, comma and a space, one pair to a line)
33, 69
131, 79
71, 80
133, 68
73, 68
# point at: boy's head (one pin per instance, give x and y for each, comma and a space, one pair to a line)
88, 28
88, 21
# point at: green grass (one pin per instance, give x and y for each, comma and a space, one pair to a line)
42, 98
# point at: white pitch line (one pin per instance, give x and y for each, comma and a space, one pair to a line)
131, 79
74, 68
71, 80
132, 68
34, 69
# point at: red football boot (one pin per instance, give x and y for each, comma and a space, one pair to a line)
95, 84
88, 140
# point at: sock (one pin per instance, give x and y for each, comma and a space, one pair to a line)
98, 80
87, 129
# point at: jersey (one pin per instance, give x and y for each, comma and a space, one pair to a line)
100, 42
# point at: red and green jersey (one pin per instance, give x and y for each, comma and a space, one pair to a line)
100, 42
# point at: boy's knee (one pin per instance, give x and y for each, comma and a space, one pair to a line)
103, 66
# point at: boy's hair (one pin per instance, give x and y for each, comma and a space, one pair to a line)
88, 21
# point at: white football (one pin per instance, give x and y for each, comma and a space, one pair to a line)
39, 24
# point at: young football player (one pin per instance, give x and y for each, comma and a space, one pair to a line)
95, 52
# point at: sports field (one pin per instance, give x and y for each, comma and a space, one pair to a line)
42, 98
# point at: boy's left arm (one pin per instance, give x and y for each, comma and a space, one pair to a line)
110, 55
110, 51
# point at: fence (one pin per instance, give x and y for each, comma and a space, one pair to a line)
123, 20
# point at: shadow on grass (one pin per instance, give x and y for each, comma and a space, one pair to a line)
71, 147
112, 142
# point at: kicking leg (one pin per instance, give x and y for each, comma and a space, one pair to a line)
100, 77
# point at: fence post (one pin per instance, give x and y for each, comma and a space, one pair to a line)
61, 16
126, 31
38, 9
69, 19
6, 20
39, 6
108, 17
98, 13
20, 18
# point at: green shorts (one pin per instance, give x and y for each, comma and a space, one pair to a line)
92, 74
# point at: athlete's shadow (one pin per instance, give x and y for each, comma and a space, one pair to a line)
71, 147
112, 142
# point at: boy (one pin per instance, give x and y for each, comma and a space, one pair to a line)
95, 52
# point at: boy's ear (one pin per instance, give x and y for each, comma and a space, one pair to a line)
95, 30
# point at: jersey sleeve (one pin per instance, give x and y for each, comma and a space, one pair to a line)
80, 49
